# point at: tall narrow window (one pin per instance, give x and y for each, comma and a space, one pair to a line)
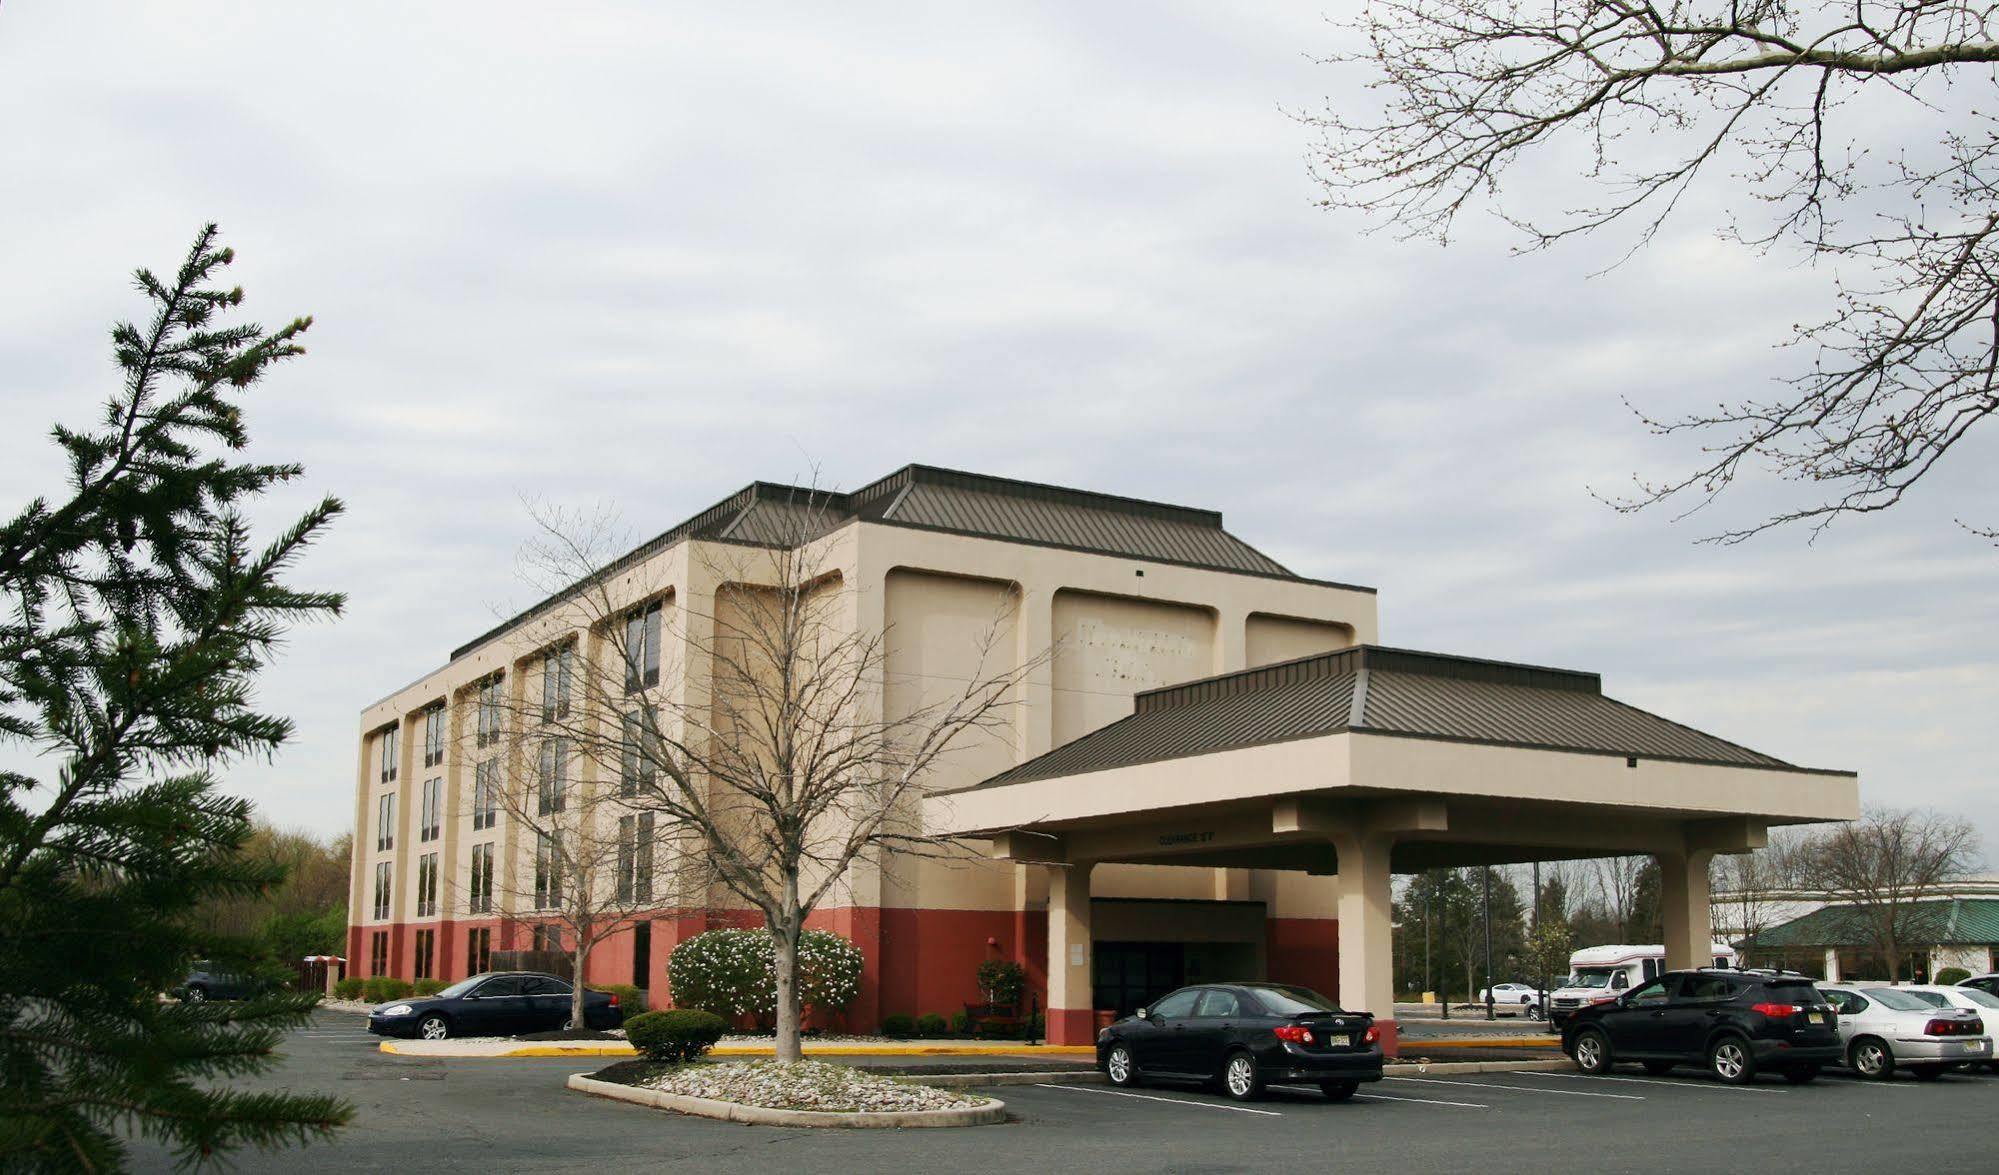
490, 701
557, 666
385, 823
426, 885
381, 889
426, 954
642, 868
550, 781
642, 647
433, 735
635, 853
639, 750
388, 742
378, 953
478, 950
433, 810
480, 900
627, 854
547, 872
485, 794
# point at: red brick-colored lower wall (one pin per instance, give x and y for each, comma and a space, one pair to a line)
1304, 951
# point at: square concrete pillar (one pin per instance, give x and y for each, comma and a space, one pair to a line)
1367, 918
1071, 989
1832, 964
1683, 898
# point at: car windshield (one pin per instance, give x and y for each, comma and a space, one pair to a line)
460, 988
1900, 1001
1591, 979
1290, 1001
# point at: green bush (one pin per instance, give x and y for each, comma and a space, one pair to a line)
631, 1001
678, 1035
930, 1024
898, 1025
382, 988
734, 972
1951, 976
430, 986
1003, 981
961, 1024
349, 988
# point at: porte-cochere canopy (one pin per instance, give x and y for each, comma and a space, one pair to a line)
1371, 761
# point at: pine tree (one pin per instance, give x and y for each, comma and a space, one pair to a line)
137, 614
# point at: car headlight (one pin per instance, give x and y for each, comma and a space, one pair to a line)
396, 1010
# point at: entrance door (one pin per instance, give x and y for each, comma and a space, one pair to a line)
1130, 975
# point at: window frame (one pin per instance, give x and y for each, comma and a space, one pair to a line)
642, 646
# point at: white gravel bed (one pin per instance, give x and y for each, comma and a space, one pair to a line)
807, 1085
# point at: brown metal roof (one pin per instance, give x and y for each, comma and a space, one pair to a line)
1376, 690
924, 497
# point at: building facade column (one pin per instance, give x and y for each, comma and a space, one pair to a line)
1832, 965
1366, 932
1685, 909
1071, 1014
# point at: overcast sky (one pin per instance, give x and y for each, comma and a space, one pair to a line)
647, 253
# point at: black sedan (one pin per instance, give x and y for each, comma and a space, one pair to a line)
1243, 1036
497, 1003
210, 981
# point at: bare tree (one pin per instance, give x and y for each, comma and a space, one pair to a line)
1901, 210
1890, 867
768, 758
1617, 884
1756, 888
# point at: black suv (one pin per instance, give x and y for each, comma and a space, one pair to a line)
1735, 1022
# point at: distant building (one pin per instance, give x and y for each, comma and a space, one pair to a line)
1811, 933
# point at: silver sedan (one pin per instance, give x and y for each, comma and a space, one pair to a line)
1885, 1028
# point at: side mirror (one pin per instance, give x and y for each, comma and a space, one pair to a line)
1142, 1014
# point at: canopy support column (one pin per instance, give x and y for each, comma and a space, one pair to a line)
1366, 910
1683, 897
1071, 989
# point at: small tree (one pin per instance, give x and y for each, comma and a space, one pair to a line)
1890, 866
138, 612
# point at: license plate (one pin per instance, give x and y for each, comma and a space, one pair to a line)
1976, 1046
1819, 1018
1343, 1039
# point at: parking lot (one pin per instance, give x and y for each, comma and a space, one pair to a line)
515, 1115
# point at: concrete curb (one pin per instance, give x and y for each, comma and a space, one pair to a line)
477, 1050
985, 1114
1484, 1042
973, 1080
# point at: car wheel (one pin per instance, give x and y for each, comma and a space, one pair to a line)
433, 1027
1119, 1068
1730, 1060
1338, 1091
196, 995
1592, 1052
1801, 1074
1658, 1068
1871, 1059
1240, 1078
1534, 1012
1926, 1072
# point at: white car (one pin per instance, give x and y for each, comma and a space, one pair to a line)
1510, 994
1885, 1028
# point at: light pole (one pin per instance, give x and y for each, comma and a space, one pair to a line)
1487, 878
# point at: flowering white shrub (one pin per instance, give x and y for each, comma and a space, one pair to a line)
734, 972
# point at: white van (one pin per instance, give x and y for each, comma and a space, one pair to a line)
1598, 973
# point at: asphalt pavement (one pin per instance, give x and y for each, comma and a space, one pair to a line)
510, 1115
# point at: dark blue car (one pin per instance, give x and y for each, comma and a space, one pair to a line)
496, 1003
207, 982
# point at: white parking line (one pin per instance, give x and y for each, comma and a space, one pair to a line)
1427, 1101
1706, 1086
1173, 1101
1626, 1097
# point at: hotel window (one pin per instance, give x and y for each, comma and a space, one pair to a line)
549, 778
426, 954
433, 810
381, 889
433, 735
485, 794
388, 741
556, 668
547, 872
547, 938
635, 854
489, 706
378, 953
639, 751
426, 885
385, 823
642, 648
480, 900
478, 950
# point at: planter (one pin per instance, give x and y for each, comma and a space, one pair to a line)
986, 1113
